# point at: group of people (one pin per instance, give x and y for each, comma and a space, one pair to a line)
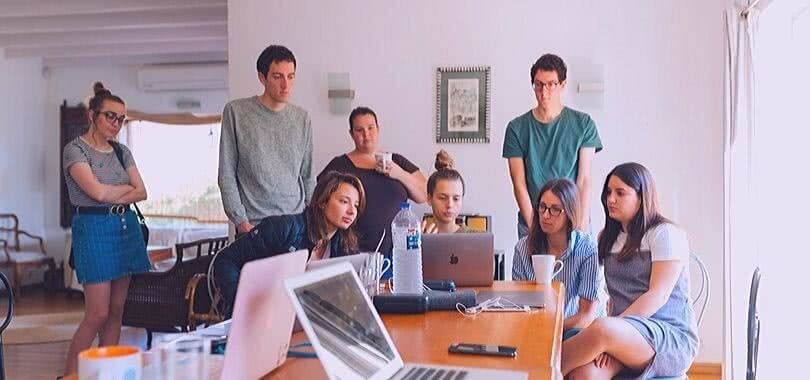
277, 204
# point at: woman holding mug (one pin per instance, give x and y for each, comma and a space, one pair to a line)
651, 331
388, 182
107, 242
552, 233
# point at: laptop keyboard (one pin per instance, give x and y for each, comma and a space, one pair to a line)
423, 373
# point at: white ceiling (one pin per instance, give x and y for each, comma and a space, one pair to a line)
81, 32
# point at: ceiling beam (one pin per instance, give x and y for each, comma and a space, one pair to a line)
104, 19
218, 44
136, 59
17, 8
157, 34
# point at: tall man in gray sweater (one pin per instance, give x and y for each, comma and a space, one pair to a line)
265, 153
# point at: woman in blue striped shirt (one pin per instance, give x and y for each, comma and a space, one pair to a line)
552, 233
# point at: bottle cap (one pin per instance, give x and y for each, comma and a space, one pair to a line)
404, 205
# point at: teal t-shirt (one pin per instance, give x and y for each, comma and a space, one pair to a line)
550, 150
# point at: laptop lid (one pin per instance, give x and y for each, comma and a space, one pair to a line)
342, 325
466, 258
263, 316
357, 261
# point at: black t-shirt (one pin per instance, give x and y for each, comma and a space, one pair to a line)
383, 197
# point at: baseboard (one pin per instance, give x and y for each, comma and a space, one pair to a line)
706, 369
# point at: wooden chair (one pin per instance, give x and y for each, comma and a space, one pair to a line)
17, 257
158, 301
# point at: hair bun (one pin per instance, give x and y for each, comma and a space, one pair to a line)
444, 161
98, 88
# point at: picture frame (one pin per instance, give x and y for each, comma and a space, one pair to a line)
463, 104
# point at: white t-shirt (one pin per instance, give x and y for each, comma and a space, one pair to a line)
665, 242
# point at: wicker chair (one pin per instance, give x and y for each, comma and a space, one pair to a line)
157, 301
20, 258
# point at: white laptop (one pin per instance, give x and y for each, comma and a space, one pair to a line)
262, 324
357, 261
349, 336
468, 259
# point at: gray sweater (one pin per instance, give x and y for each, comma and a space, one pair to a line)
265, 160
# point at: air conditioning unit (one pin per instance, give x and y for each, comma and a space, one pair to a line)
183, 77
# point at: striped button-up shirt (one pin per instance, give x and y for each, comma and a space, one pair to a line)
581, 273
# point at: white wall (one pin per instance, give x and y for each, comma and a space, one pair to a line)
74, 85
778, 207
22, 153
662, 102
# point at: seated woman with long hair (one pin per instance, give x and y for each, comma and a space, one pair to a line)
325, 228
445, 194
552, 233
651, 331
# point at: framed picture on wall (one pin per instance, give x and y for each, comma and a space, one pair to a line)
462, 104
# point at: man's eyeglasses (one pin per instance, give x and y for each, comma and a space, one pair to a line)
538, 86
113, 117
553, 210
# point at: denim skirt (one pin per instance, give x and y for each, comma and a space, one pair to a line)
108, 247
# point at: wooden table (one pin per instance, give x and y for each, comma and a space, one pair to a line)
424, 338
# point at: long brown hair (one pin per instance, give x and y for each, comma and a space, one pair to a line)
648, 216
315, 218
569, 197
445, 170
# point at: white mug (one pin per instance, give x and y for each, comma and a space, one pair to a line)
110, 363
383, 160
544, 268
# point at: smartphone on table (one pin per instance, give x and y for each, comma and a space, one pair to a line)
482, 349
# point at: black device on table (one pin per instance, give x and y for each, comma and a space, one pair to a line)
443, 285
482, 349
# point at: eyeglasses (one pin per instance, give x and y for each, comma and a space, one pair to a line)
553, 210
113, 117
538, 86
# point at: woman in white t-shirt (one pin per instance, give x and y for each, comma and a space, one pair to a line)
651, 331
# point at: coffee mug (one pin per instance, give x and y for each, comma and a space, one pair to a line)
110, 363
544, 268
383, 160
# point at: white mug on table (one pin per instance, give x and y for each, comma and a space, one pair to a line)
110, 363
544, 268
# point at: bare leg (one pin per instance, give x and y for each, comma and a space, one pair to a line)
613, 336
96, 310
111, 332
591, 372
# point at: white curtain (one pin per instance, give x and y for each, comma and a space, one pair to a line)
739, 153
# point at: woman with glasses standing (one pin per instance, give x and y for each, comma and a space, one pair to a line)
108, 244
552, 232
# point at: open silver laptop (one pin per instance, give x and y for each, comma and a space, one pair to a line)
349, 336
357, 261
262, 323
467, 259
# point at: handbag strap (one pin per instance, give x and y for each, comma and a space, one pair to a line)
120, 154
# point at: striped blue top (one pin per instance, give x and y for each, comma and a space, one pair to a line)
581, 273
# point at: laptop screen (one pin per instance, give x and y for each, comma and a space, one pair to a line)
344, 323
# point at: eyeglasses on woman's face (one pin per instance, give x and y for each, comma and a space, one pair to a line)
552, 210
113, 117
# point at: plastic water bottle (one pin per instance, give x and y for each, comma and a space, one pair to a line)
406, 234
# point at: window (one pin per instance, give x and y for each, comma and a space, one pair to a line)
178, 164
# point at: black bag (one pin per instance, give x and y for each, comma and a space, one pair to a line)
141, 220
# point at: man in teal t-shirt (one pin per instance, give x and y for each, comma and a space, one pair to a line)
550, 141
